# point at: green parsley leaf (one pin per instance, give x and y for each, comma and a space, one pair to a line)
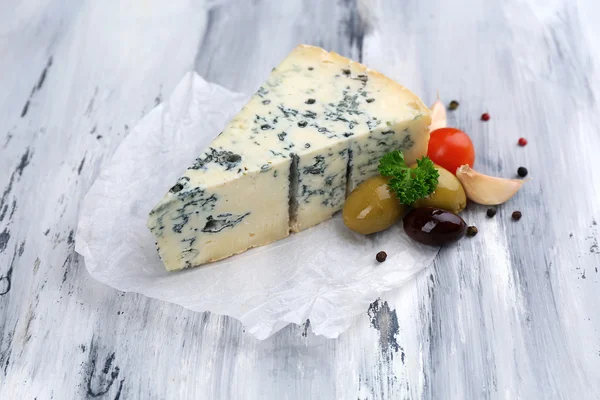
410, 184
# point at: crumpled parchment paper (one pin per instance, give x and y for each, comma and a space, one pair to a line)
326, 274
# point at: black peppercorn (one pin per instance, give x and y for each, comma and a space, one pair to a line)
302, 124
522, 172
472, 231
517, 215
370, 100
381, 256
491, 212
310, 101
453, 105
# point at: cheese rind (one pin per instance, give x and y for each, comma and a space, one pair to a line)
313, 131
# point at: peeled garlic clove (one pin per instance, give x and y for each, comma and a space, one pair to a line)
487, 190
438, 115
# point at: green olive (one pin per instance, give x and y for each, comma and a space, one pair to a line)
371, 207
449, 194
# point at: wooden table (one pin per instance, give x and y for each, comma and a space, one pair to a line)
511, 313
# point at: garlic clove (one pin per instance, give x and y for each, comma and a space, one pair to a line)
438, 115
487, 190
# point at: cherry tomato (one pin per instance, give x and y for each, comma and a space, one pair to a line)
451, 148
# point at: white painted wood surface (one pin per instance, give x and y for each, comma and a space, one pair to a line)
511, 313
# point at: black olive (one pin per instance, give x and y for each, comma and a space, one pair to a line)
433, 226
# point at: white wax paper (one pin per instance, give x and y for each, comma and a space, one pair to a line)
326, 274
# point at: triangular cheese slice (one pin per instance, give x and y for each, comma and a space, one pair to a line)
310, 134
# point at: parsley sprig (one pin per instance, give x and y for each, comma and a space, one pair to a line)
410, 184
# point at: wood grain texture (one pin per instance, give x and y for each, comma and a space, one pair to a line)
511, 313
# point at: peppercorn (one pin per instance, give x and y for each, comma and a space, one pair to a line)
381, 256
522, 142
485, 117
491, 212
517, 215
310, 101
453, 105
522, 172
472, 231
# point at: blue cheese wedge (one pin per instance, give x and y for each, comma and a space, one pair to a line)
310, 134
